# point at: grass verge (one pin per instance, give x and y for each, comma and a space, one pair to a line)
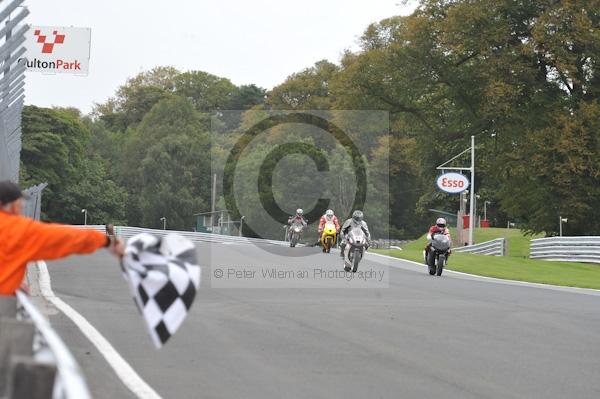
515, 266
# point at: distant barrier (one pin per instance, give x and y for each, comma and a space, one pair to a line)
128, 232
566, 249
495, 247
386, 244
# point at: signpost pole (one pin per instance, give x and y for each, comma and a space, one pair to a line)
453, 184
472, 191
560, 226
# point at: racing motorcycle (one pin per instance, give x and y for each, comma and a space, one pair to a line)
328, 237
296, 229
356, 244
438, 254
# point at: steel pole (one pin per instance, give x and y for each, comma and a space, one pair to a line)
213, 199
560, 226
472, 202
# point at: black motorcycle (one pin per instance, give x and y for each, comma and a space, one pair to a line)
438, 254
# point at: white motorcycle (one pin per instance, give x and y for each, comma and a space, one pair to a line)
356, 245
296, 232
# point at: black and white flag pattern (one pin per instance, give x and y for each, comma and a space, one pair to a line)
163, 276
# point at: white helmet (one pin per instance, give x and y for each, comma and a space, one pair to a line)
357, 216
329, 212
299, 211
441, 222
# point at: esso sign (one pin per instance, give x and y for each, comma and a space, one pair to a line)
453, 183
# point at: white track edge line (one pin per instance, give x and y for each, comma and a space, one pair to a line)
122, 369
564, 288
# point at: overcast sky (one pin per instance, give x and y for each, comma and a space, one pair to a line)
247, 41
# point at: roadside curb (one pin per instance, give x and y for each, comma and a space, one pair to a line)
35, 294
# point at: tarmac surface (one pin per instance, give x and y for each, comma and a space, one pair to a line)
398, 333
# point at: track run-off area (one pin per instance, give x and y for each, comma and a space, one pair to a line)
410, 335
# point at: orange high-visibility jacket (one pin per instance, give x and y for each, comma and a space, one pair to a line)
24, 240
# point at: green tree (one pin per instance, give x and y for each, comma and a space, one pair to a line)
135, 98
175, 183
308, 89
506, 72
208, 93
54, 151
167, 154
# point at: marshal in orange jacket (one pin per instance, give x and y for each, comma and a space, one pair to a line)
23, 240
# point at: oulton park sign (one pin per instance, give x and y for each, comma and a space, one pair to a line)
56, 49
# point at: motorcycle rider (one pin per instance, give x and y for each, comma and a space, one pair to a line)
297, 218
329, 216
356, 220
438, 228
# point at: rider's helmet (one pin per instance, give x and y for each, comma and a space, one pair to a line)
357, 216
329, 213
441, 223
299, 212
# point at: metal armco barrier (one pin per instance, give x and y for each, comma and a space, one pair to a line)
128, 232
12, 89
34, 362
566, 249
495, 247
32, 207
49, 349
386, 244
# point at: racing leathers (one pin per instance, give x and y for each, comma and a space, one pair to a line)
433, 230
324, 219
349, 224
293, 220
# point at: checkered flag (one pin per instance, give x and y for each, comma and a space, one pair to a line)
163, 276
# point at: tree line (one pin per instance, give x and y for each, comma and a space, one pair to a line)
523, 77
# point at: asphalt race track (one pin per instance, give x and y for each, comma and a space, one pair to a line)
421, 337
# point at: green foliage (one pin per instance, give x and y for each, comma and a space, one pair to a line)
164, 161
207, 92
154, 136
175, 183
246, 97
134, 99
560, 169
515, 266
580, 275
54, 143
523, 77
308, 89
